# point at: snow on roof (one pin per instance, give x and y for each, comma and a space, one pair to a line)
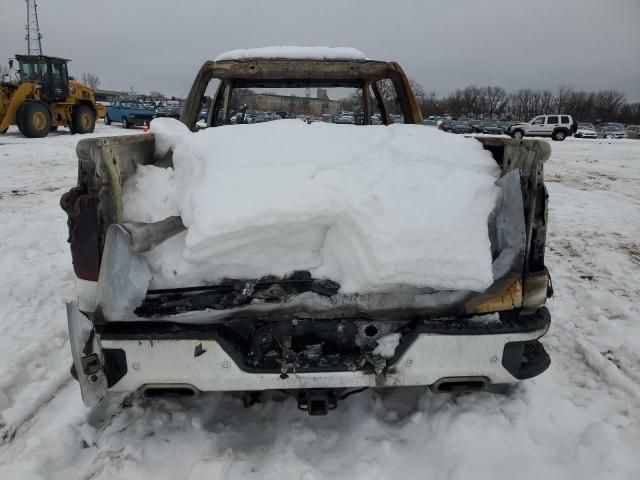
312, 53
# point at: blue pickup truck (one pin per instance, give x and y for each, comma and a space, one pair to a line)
129, 112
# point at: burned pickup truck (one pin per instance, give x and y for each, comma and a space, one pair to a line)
320, 333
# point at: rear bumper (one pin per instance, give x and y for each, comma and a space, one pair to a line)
137, 121
202, 363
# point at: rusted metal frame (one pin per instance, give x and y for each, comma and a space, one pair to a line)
217, 103
227, 101
190, 113
300, 69
504, 294
408, 101
528, 156
366, 102
380, 101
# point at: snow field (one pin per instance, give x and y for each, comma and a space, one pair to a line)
579, 420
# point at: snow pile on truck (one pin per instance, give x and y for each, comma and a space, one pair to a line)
373, 208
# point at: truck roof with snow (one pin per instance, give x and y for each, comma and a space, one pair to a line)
318, 259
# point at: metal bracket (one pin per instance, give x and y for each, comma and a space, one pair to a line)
86, 354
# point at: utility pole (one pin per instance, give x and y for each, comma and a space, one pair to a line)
34, 37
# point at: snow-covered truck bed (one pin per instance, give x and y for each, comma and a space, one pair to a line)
373, 274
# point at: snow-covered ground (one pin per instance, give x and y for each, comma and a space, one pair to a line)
579, 420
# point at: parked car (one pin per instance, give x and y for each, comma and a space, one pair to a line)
436, 118
556, 126
456, 126
491, 127
504, 125
611, 130
256, 116
476, 125
396, 118
430, 123
129, 112
168, 111
633, 131
345, 120
586, 130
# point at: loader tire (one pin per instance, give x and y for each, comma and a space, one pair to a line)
83, 119
34, 120
20, 116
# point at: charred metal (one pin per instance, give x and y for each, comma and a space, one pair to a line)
299, 333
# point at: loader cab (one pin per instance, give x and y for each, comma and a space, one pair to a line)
49, 72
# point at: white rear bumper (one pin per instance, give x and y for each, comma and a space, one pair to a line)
429, 358
124, 363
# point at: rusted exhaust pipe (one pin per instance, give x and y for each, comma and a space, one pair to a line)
461, 384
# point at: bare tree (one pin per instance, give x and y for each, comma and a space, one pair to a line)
608, 104
630, 113
91, 79
494, 100
432, 105
455, 103
352, 102
470, 100
521, 103
156, 94
388, 91
580, 105
562, 98
418, 90
239, 97
545, 101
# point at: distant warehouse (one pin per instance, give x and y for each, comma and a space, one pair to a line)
272, 102
109, 95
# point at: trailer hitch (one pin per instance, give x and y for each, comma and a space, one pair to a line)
317, 401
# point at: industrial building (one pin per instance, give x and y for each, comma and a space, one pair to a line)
307, 105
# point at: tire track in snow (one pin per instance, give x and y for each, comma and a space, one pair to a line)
15, 416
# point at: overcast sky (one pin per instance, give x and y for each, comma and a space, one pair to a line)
159, 45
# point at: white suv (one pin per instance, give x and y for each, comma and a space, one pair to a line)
556, 126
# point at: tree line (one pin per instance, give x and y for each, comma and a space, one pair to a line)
525, 103
495, 102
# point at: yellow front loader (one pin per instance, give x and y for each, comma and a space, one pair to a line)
43, 98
